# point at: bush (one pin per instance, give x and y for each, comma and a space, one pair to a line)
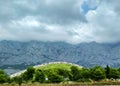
3, 77
75, 73
39, 76
54, 78
28, 75
84, 80
17, 79
97, 73
85, 73
114, 73
107, 72
63, 72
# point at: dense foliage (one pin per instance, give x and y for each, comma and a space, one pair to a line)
57, 75
3, 77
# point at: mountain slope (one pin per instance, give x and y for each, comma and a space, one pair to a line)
20, 55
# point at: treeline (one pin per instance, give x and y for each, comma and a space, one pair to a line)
57, 75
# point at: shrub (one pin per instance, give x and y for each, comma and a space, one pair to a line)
97, 73
39, 76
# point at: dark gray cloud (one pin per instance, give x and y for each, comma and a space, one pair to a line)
51, 11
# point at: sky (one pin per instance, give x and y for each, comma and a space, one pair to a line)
72, 21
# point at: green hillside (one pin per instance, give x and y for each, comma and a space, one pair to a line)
65, 66
60, 72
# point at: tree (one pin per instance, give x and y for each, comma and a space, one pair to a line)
107, 72
75, 73
39, 76
63, 72
114, 73
3, 77
97, 73
85, 73
54, 78
28, 74
18, 79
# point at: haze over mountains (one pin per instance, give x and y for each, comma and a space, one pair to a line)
19, 55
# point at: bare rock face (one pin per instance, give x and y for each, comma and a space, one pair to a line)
20, 55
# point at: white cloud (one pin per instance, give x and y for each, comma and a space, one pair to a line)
60, 20
26, 22
105, 23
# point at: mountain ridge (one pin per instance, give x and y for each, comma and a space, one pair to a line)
20, 55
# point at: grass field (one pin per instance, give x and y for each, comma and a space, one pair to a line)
56, 65
52, 66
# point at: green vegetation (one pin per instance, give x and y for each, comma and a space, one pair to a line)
3, 77
56, 65
97, 73
39, 76
64, 73
28, 74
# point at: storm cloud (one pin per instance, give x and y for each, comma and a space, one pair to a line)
72, 21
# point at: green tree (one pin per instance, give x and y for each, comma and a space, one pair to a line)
107, 72
18, 79
39, 76
75, 73
97, 73
63, 72
3, 77
114, 73
85, 73
28, 74
54, 78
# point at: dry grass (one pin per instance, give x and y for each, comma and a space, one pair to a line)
105, 83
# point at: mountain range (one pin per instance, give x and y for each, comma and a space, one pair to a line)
15, 55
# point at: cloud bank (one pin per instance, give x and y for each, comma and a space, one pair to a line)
72, 21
